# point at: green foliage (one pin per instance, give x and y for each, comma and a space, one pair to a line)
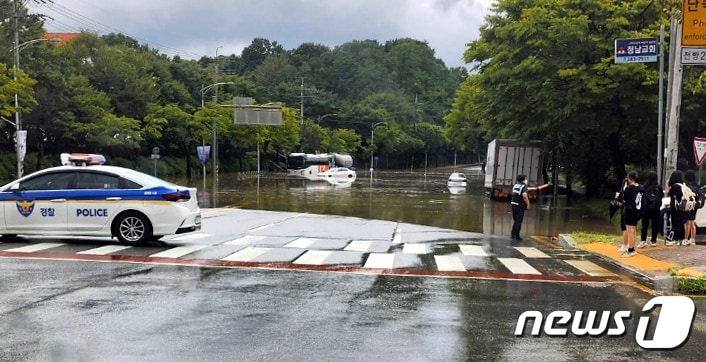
544, 70
114, 95
691, 285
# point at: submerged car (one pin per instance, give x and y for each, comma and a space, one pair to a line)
457, 179
338, 174
86, 198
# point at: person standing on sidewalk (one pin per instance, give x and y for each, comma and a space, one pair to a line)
632, 211
690, 216
675, 194
520, 202
652, 203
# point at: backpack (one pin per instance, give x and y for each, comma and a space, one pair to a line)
652, 199
700, 196
687, 203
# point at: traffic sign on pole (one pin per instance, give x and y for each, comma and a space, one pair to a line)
699, 149
693, 23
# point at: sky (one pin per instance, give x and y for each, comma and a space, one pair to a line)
192, 29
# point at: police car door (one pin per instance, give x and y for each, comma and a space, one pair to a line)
38, 204
94, 201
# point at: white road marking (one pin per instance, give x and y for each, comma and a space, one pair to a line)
261, 227
313, 257
449, 263
104, 250
245, 240
416, 248
194, 236
380, 261
518, 266
359, 245
179, 251
35, 247
590, 268
247, 254
531, 252
472, 250
397, 237
301, 243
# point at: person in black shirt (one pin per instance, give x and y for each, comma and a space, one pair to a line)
520, 202
675, 194
632, 210
652, 203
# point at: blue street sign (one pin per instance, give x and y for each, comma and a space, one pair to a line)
642, 50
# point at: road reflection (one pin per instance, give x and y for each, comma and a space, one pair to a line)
401, 197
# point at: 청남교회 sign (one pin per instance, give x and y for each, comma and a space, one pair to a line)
641, 50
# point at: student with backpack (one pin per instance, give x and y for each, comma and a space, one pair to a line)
632, 211
690, 216
676, 195
651, 218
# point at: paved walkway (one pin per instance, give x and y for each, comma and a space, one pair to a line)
654, 262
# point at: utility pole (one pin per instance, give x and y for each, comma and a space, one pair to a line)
214, 147
301, 101
20, 138
673, 100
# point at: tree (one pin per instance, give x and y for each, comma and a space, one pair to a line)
545, 71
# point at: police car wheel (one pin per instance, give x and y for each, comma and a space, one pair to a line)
133, 229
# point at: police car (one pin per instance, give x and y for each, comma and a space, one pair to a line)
84, 197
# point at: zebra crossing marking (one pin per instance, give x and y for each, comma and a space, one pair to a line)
590, 268
531, 252
190, 237
518, 266
104, 250
313, 257
245, 240
368, 246
449, 263
247, 254
380, 261
301, 243
178, 252
472, 250
35, 247
416, 248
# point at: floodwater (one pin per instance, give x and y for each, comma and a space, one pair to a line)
408, 197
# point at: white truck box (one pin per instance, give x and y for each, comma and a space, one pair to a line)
508, 158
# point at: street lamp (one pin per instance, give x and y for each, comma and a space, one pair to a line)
214, 146
320, 118
20, 137
372, 145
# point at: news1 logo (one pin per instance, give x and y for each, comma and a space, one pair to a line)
672, 329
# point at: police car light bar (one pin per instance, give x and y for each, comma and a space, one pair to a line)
81, 159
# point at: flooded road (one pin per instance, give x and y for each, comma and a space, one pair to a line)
400, 197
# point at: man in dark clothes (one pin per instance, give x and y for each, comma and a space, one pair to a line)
520, 202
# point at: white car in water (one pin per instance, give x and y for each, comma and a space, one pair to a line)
86, 198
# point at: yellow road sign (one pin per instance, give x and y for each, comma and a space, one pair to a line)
693, 23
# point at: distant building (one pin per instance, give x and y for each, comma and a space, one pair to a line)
60, 38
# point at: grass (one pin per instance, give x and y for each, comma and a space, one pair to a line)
582, 237
691, 285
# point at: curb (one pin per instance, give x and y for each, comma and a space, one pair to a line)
660, 283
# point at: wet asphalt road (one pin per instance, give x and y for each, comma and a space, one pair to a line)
66, 302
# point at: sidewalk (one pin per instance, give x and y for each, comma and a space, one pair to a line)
654, 262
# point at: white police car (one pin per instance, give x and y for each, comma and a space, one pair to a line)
85, 197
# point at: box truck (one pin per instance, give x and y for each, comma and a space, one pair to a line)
508, 158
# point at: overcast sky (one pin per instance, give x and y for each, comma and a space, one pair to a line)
195, 28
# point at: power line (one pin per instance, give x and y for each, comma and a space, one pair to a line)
62, 12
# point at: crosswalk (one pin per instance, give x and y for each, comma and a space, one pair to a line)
305, 251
